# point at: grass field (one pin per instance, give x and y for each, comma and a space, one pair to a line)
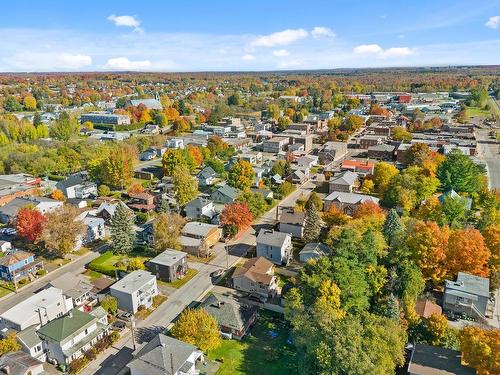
477, 112
180, 282
259, 353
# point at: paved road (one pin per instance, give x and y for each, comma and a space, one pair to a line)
75, 267
488, 149
114, 359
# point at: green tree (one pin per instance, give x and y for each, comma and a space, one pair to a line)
173, 159
241, 175
65, 127
103, 190
122, 230
117, 170
166, 231
315, 199
383, 175
234, 99
312, 222
458, 172
185, 185
455, 211
10, 104
393, 228
110, 304
37, 119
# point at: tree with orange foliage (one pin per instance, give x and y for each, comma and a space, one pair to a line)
492, 240
171, 114
480, 348
431, 210
334, 216
135, 188
58, 195
427, 243
368, 208
195, 154
236, 214
29, 223
467, 252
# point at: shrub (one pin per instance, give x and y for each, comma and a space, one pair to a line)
77, 365
141, 217
41, 272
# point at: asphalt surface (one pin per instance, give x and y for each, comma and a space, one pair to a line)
488, 150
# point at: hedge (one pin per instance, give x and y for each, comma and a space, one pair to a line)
98, 266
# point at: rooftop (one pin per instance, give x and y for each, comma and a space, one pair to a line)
168, 257
66, 326
467, 283
272, 238
133, 281
432, 360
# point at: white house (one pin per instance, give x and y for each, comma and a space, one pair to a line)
175, 143
77, 187
136, 289
200, 207
275, 246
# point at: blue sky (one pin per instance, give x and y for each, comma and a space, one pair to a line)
196, 35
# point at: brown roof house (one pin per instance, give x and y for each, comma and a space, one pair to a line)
256, 276
292, 222
425, 308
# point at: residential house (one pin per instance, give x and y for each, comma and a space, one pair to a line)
256, 276
382, 152
264, 192
142, 201
331, 151
207, 176
106, 210
292, 222
105, 118
38, 309
169, 265
76, 287
434, 360
209, 233
234, 318
299, 176
175, 143
362, 167
136, 289
347, 202
77, 186
18, 265
425, 308
94, 230
31, 343
469, 294
17, 185
346, 182
9, 211
275, 246
149, 154
200, 207
313, 250
307, 162
148, 103
19, 363
69, 337
165, 355
225, 194
275, 144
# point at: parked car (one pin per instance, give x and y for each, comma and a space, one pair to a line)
118, 325
217, 273
126, 316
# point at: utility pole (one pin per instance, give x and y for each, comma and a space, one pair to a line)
132, 328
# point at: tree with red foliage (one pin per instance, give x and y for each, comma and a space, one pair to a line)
29, 223
236, 214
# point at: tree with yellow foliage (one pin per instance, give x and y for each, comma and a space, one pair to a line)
480, 348
9, 344
197, 327
58, 195
29, 103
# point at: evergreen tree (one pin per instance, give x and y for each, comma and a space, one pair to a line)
392, 227
122, 230
37, 119
312, 227
392, 308
163, 206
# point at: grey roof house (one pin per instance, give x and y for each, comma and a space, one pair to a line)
292, 222
77, 186
313, 250
433, 360
136, 289
19, 363
233, 317
164, 355
347, 202
275, 246
207, 176
225, 194
468, 294
346, 182
169, 265
200, 207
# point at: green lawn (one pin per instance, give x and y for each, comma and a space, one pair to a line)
4, 291
259, 353
108, 263
180, 282
476, 112
93, 275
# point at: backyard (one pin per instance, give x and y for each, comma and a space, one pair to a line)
108, 263
191, 272
265, 351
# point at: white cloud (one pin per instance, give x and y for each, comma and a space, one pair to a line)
375, 49
367, 49
44, 61
320, 31
493, 22
281, 53
248, 57
397, 52
127, 21
280, 38
123, 63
